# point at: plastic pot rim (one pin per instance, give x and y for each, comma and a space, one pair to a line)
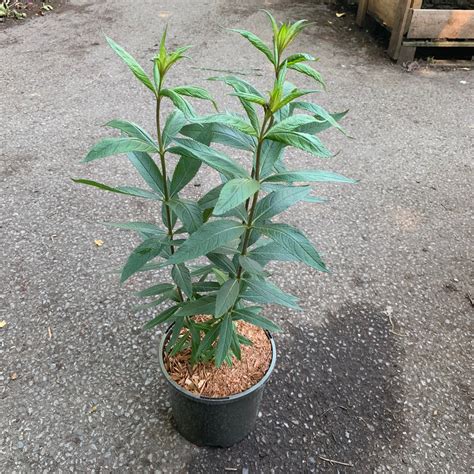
217, 400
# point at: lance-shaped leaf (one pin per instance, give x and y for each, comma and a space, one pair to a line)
303, 141
185, 171
222, 134
208, 237
208, 201
260, 291
130, 61
206, 286
254, 318
272, 152
146, 251
148, 170
257, 42
203, 305
188, 212
269, 252
322, 114
226, 297
295, 242
181, 276
235, 192
132, 130
308, 71
230, 120
278, 201
179, 102
116, 146
173, 125
299, 58
319, 127
217, 160
155, 290
222, 262
291, 123
251, 266
226, 329
310, 176
164, 316
196, 92
128, 190
142, 227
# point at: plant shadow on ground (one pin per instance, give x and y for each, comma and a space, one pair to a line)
335, 394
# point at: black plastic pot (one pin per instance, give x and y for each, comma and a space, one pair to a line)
219, 422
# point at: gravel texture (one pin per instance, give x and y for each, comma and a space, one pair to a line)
374, 371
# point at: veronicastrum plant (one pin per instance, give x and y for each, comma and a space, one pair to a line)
230, 229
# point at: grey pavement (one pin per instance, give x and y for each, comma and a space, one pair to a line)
374, 371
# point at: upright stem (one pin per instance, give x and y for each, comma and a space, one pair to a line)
165, 177
267, 123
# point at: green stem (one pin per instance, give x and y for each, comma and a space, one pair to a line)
166, 194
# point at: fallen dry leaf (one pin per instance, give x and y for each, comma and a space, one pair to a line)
93, 409
13, 376
98, 242
3, 324
340, 15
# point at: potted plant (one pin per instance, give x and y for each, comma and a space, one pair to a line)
215, 249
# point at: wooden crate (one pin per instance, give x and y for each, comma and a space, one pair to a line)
412, 26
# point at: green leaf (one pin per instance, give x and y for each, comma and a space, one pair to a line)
174, 124
255, 319
143, 227
229, 120
146, 251
188, 212
207, 341
251, 266
132, 130
148, 170
256, 99
179, 103
261, 291
295, 242
208, 237
269, 252
309, 176
278, 201
220, 134
226, 297
127, 190
155, 290
185, 171
162, 317
196, 92
319, 127
308, 71
181, 276
291, 123
116, 146
257, 42
294, 94
136, 69
235, 192
225, 338
223, 263
299, 58
204, 305
272, 152
208, 201
303, 141
205, 286
217, 160
319, 112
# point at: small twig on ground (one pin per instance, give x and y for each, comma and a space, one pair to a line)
469, 298
333, 461
50, 333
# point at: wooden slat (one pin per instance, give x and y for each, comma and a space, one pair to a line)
439, 44
398, 30
361, 12
442, 24
385, 11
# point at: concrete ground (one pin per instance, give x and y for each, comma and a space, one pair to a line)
373, 373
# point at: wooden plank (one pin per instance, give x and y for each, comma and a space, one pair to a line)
439, 44
398, 30
385, 11
442, 24
361, 12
